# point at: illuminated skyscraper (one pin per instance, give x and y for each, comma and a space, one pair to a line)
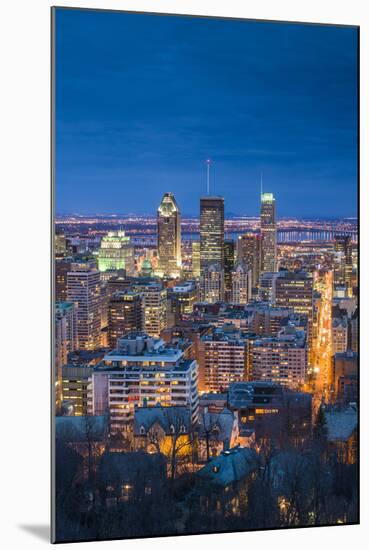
229, 261
169, 236
212, 284
268, 232
249, 248
84, 291
125, 314
211, 232
343, 262
116, 252
241, 284
196, 259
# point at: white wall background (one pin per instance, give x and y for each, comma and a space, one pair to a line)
24, 267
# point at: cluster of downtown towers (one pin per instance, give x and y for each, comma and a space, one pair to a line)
213, 258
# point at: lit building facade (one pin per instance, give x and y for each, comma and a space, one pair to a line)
116, 252
222, 359
84, 291
249, 247
211, 232
268, 229
241, 284
281, 359
169, 237
155, 301
343, 263
195, 259
125, 314
229, 262
142, 371
212, 284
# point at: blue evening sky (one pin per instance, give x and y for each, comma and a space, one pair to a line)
143, 100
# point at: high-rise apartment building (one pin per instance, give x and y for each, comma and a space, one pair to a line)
343, 263
62, 266
169, 236
125, 314
229, 262
249, 247
295, 290
116, 252
222, 359
212, 284
268, 229
142, 371
195, 259
241, 284
281, 359
83, 290
155, 300
211, 232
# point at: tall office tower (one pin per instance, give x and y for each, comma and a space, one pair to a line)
229, 262
281, 359
196, 259
65, 341
60, 244
212, 284
155, 298
125, 314
169, 236
241, 279
222, 359
343, 263
295, 290
62, 266
268, 228
211, 232
83, 290
116, 252
142, 371
249, 248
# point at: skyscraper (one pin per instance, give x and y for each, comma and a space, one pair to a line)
268, 232
241, 284
343, 263
211, 232
212, 284
169, 236
196, 259
116, 252
229, 262
249, 248
83, 290
125, 314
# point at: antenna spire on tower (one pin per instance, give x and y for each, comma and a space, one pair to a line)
261, 184
208, 176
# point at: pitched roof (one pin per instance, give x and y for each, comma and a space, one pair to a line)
146, 417
230, 466
219, 424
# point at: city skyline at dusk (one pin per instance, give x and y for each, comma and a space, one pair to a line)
205, 276
136, 116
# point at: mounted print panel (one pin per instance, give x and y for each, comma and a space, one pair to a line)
205, 272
